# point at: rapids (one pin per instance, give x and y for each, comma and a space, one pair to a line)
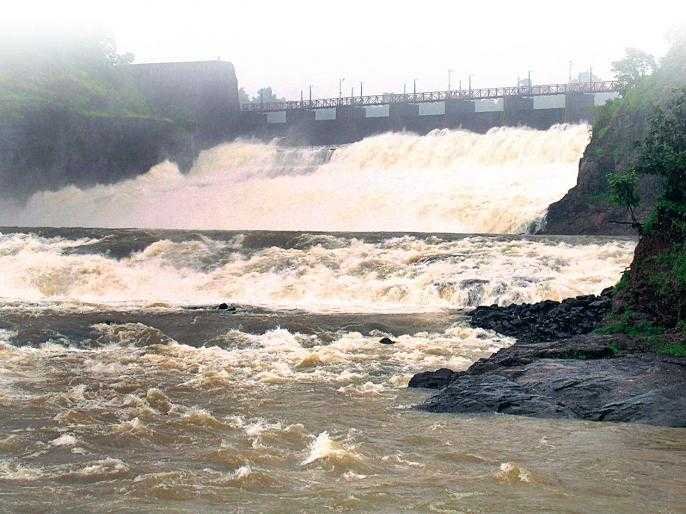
315, 272
124, 389
446, 181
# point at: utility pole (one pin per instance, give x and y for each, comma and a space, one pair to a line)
460, 85
310, 94
360, 89
405, 89
570, 71
301, 98
590, 77
470, 83
530, 84
340, 88
414, 87
450, 72
352, 92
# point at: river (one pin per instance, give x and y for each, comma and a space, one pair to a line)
124, 388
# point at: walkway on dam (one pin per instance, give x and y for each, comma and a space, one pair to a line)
573, 88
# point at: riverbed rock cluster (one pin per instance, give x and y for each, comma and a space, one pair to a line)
583, 376
545, 321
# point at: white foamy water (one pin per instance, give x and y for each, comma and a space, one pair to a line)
446, 181
318, 273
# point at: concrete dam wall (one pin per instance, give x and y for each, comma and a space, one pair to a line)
301, 127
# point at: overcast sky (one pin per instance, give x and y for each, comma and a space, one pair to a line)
385, 43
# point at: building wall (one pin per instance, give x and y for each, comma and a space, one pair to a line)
203, 94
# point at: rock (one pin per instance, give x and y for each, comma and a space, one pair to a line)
493, 393
433, 379
598, 378
545, 321
226, 307
386, 340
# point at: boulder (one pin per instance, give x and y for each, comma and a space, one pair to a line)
591, 377
545, 321
433, 379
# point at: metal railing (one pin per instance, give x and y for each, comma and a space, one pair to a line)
489, 93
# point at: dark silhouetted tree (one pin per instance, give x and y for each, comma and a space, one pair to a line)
632, 68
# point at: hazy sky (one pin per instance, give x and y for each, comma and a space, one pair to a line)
385, 43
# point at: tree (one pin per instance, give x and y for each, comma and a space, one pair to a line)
266, 95
243, 97
664, 155
624, 193
630, 70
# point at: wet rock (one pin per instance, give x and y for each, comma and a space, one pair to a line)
489, 394
432, 379
598, 378
545, 321
386, 340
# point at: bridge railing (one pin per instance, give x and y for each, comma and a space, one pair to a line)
608, 86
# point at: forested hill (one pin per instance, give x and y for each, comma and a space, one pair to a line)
619, 128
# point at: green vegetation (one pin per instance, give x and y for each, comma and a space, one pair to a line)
80, 73
619, 125
654, 336
650, 299
624, 193
264, 95
633, 68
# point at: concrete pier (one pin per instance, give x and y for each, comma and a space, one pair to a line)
517, 110
579, 107
296, 117
348, 113
457, 108
400, 116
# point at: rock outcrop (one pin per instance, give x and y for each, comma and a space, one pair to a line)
545, 321
558, 368
49, 148
592, 377
615, 145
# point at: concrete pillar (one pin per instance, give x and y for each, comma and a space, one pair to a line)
517, 104
348, 113
459, 113
403, 111
297, 116
579, 107
518, 110
455, 108
253, 118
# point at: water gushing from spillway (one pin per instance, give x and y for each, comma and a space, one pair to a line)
315, 272
446, 181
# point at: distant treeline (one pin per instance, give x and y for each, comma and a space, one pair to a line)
77, 72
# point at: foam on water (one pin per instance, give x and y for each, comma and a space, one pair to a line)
446, 181
329, 273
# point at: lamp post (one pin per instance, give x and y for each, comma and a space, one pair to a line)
571, 63
530, 84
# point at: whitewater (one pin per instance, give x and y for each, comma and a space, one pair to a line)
125, 388
447, 181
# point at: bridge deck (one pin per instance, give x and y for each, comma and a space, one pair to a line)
490, 93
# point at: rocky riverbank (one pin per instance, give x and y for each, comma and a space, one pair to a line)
559, 369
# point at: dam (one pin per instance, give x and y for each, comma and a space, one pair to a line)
351, 118
209, 91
